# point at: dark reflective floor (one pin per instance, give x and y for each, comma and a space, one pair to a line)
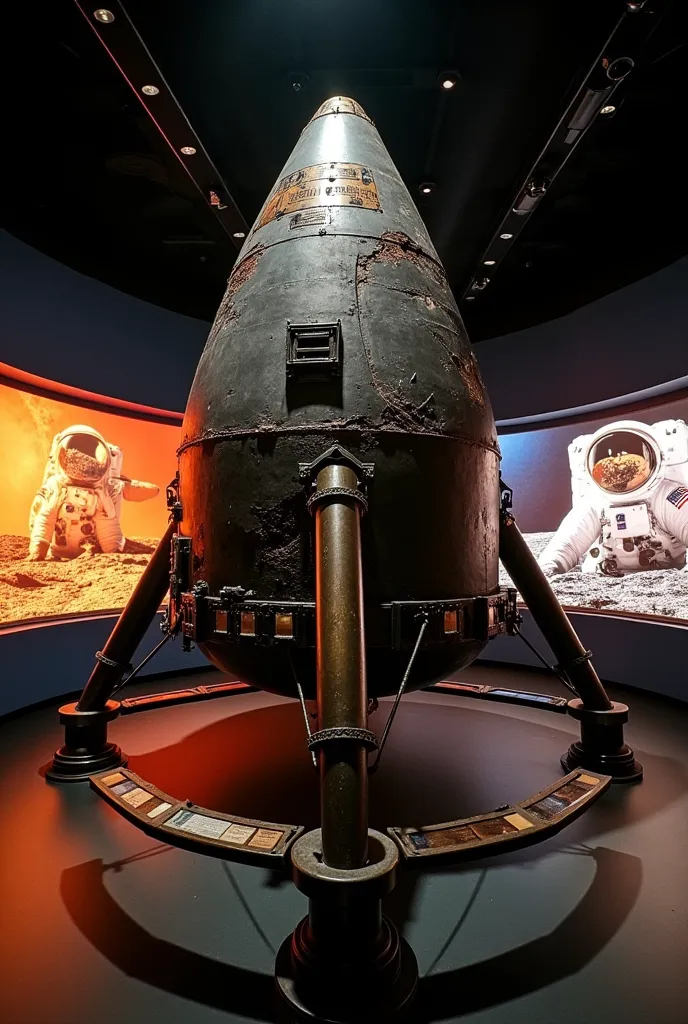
105, 925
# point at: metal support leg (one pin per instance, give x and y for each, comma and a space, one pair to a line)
601, 747
345, 962
86, 748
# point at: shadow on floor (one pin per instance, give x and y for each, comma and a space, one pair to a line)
441, 763
535, 964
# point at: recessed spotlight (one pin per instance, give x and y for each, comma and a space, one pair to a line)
104, 16
298, 81
609, 109
150, 90
239, 234
426, 187
448, 80
506, 234
489, 263
187, 150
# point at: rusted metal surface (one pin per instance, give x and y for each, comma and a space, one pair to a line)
395, 246
243, 272
407, 397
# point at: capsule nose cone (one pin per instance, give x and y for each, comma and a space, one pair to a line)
340, 105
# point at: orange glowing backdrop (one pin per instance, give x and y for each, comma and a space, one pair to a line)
28, 423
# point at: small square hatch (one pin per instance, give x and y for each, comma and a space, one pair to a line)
314, 351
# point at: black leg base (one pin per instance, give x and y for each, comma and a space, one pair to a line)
86, 750
601, 747
67, 767
330, 1001
345, 963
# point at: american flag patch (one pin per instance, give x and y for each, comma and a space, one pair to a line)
678, 497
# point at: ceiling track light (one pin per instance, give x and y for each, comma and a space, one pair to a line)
602, 83
132, 61
448, 80
531, 196
593, 99
479, 284
618, 68
298, 81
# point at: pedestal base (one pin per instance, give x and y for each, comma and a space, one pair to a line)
305, 1002
67, 767
86, 750
601, 747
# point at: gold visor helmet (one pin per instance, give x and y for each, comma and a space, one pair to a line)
83, 456
623, 458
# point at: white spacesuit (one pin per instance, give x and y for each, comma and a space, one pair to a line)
78, 506
630, 501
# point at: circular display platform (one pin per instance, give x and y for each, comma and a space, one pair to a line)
110, 925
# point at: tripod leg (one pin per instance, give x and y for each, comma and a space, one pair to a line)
86, 749
601, 747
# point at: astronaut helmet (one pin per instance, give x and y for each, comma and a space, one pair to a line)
81, 456
624, 460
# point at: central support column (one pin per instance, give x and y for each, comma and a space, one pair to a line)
341, 670
345, 962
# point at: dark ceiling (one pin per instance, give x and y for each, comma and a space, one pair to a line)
93, 183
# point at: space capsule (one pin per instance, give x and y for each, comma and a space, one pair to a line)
338, 329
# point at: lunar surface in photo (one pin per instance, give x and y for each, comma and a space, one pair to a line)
660, 592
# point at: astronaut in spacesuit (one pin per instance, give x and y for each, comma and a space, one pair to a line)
630, 501
78, 506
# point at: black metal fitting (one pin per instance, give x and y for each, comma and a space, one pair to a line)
506, 498
192, 613
566, 666
218, 619
173, 503
336, 455
329, 493
86, 750
343, 732
111, 663
601, 747
314, 351
345, 962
